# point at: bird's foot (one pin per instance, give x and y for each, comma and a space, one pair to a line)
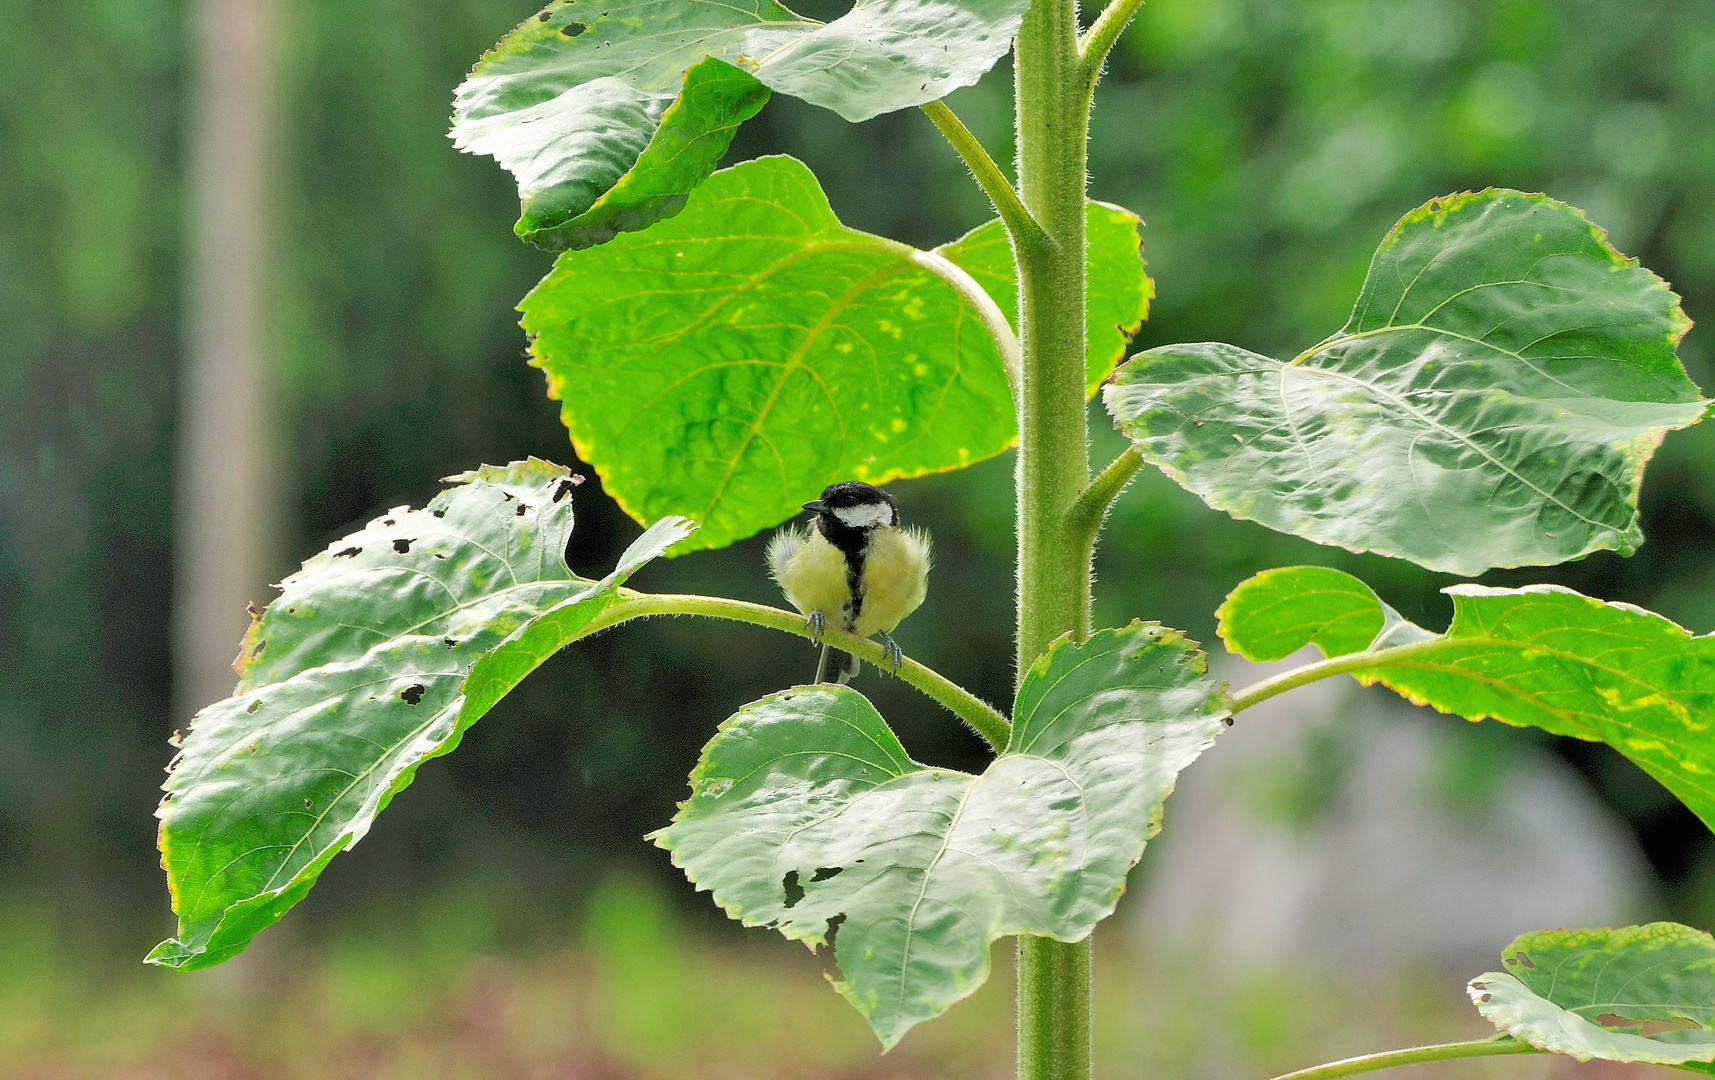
818, 624
895, 655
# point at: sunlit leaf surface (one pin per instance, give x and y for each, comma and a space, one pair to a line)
1541, 656
1492, 401
731, 362
1638, 993
579, 103
359, 672
806, 814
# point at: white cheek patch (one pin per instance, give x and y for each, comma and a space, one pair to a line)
864, 517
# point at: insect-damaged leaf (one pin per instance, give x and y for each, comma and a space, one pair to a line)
730, 363
1541, 656
806, 813
609, 111
1638, 993
377, 656
1492, 401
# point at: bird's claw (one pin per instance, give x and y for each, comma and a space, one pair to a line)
818, 624
895, 655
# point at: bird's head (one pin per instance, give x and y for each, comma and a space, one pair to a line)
853, 505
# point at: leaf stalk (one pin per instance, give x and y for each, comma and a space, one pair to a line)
1099, 39
1417, 1055
983, 718
1259, 692
1000, 330
1091, 509
1020, 224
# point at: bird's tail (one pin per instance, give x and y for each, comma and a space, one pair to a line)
837, 666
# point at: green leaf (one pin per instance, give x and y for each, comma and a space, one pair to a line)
1639, 993
734, 361
575, 101
1541, 656
806, 815
1118, 289
377, 656
1492, 401
1278, 612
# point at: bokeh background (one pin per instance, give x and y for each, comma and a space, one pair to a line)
1345, 863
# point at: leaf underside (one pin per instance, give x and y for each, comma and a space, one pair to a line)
1542, 656
1492, 401
730, 363
608, 112
377, 656
1638, 993
807, 815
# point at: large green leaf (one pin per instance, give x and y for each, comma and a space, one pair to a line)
806, 815
575, 101
1541, 656
730, 363
1639, 993
354, 677
1117, 288
1492, 401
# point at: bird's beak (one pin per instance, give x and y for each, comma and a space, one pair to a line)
816, 505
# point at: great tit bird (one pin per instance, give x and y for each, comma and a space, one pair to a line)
854, 568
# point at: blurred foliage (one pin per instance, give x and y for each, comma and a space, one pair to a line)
1268, 144
480, 985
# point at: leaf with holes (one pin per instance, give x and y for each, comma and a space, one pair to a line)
732, 362
1118, 289
608, 112
807, 815
376, 657
1639, 993
1492, 401
1541, 656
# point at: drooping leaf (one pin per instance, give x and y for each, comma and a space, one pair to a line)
575, 101
1118, 289
376, 657
1638, 993
1277, 612
1541, 656
806, 814
733, 361
1492, 401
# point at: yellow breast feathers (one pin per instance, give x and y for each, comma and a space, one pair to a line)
895, 578
812, 574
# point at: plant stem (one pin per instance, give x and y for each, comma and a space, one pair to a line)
1340, 665
1093, 48
1417, 1055
1051, 102
1091, 509
1022, 227
981, 716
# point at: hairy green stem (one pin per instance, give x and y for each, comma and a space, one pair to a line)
1051, 104
1417, 1055
1019, 223
980, 715
1259, 692
1099, 39
1091, 509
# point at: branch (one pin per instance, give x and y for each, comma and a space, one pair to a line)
1094, 46
1025, 230
1091, 509
980, 715
1417, 1055
1258, 692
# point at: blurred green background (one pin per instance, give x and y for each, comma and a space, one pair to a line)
505, 918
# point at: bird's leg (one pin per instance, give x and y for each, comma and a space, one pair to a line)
895, 655
818, 624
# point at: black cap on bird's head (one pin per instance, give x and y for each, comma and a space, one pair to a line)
853, 504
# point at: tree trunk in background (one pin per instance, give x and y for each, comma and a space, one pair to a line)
226, 490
